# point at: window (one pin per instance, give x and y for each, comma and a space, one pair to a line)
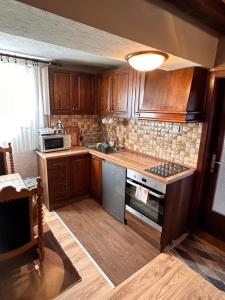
22, 104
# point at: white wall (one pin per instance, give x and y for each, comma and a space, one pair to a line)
26, 164
144, 22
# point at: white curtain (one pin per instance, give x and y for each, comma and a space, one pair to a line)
24, 101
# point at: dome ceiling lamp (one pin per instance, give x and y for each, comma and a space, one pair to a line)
145, 61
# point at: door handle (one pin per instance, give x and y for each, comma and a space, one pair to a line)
150, 192
220, 162
214, 162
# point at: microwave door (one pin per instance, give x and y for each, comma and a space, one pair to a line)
54, 143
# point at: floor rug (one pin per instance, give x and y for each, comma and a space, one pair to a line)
203, 258
24, 282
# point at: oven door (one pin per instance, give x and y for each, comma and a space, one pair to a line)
154, 207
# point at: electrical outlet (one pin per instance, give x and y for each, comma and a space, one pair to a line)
176, 128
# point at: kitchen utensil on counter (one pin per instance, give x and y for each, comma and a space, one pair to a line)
81, 139
74, 132
59, 128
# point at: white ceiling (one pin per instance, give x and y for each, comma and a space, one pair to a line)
30, 31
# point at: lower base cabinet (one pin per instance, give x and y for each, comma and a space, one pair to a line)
80, 175
65, 179
96, 177
58, 172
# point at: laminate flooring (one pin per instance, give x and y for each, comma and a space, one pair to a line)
165, 278
204, 259
117, 249
93, 285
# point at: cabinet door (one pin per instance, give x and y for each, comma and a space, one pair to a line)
105, 94
122, 93
84, 100
96, 177
60, 88
80, 175
58, 181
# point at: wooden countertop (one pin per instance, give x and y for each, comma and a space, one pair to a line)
165, 277
131, 160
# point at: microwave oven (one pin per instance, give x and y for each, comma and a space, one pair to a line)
54, 142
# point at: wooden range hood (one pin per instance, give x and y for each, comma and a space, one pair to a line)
176, 96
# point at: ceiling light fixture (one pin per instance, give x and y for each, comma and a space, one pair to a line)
146, 60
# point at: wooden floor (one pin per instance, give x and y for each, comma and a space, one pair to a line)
117, 249
93, 285
165, 278
211, 239
204, 258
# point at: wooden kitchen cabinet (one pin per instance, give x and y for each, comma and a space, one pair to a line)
84, 99
96, 177
71, 92
64, 179
80, 175
58, 181
105, 93
176, 96
116, 93
61, 91
122, 93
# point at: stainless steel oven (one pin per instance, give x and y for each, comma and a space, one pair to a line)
151, 211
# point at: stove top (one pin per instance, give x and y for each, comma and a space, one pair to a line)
166, 170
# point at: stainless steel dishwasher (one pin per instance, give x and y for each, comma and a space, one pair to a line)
114, 189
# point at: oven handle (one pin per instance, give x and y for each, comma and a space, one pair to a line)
150, 192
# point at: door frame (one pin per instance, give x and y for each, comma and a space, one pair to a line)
205, 150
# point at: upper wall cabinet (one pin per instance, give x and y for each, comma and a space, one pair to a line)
84, 100
176, 96
116, 93
105, 93
61, 91
122, 93
71, 92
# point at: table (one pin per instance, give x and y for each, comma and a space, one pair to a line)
14, 180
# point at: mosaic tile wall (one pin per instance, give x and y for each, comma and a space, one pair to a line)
90, 125
148, 137
158, 139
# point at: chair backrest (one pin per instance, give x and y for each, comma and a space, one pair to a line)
3, 160
16, 219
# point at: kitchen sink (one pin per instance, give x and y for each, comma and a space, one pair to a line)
106, 150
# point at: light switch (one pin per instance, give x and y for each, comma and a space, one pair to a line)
176, 128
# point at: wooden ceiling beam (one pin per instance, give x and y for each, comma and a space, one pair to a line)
209, 12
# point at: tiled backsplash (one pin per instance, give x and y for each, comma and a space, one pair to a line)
158, 139
149, 137
90, 125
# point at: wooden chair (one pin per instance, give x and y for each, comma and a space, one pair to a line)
3, 160
17, 234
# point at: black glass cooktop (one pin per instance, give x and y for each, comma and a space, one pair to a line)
166, 170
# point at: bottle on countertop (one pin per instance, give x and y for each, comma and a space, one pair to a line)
81, 139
